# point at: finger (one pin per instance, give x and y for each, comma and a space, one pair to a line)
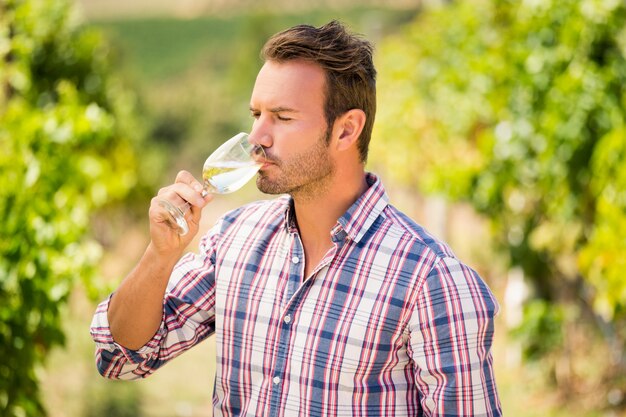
159, 213
181, 193
195, 212
164, 230
196, 209
186, 178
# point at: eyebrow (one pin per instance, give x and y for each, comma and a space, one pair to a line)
279, 109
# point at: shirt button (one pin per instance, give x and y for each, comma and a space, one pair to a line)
276, 380
287, 319
295, 259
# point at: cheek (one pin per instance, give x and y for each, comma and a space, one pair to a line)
309, 126
296, 137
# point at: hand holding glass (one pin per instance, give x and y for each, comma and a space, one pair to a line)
226, 170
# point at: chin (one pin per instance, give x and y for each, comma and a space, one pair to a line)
268, 187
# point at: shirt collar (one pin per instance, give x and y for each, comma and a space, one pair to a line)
364, 212
360, 216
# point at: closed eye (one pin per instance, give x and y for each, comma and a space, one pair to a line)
278, 112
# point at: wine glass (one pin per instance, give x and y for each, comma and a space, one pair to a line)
227, 169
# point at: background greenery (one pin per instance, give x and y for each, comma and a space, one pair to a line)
505, 118
520, 109
66, 152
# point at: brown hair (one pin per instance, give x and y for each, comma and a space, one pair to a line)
347, 61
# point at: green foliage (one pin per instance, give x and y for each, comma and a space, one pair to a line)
64, 154
542, 329
520, 108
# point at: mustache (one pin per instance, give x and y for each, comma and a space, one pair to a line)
271, 159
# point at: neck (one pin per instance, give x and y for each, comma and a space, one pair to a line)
317, 215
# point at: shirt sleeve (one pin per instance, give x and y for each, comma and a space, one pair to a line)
451, 334
188, 318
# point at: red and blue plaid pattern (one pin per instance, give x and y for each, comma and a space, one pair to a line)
390, 323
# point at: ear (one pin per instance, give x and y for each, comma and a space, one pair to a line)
348, 128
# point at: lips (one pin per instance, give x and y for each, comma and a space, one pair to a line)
268, 162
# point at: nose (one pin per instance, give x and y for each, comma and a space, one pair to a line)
260, 134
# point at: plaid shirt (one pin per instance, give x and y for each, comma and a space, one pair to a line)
390, 323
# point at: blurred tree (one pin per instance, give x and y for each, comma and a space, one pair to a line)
65, 151
520, 108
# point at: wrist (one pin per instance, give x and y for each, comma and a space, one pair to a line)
161, 259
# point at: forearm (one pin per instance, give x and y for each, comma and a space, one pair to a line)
132, 339
136, 308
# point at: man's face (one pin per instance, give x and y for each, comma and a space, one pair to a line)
288, 107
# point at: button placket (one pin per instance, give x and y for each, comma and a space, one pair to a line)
294, 263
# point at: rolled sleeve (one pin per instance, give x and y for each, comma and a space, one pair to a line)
114, 360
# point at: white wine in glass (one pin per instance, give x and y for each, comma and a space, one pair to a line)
227, 169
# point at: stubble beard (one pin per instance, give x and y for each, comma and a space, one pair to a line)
305, 176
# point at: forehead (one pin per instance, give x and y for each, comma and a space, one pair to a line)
295, 84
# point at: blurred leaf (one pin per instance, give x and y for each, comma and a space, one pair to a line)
66, 152
520, 108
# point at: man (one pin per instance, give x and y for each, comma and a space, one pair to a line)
327, 301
